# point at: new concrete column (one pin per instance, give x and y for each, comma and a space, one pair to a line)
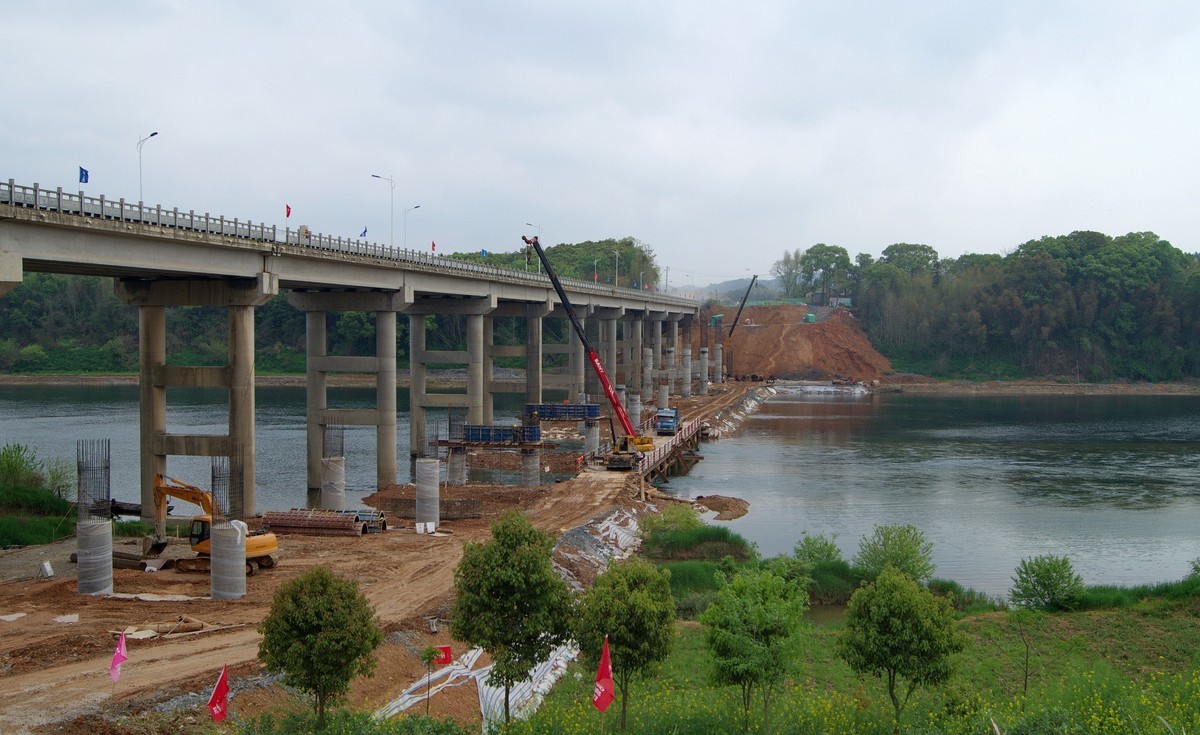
675, 342
487, 392
703, 387
416, 390
152, 351
591, 436
241, 401
648, 375
718, 364
475, 387
316, 398
686, 374
533, 359
385, 398
634, 401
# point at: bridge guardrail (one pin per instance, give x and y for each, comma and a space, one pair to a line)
57, 200
685, 432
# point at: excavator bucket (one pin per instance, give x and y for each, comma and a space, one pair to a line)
153, 547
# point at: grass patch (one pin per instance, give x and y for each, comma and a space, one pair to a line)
706, 542
34, 530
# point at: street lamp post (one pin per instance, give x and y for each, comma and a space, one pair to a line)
415, 206
539, 235
595, 271
141, 142
391, 209
641, 285
616, 269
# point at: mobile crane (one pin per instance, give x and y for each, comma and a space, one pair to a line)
627, 449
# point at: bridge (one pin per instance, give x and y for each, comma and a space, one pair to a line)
161, 258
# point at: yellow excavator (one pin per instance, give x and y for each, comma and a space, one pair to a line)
261, 546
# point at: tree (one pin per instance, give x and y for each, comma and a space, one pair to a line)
897, 630
912, 259
787, 270
901, 546
1046, 582
632, 604
752, 627
510, 602
320, 634
826, 268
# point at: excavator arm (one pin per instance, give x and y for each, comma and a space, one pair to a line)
168, 487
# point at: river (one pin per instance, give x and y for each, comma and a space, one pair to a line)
1110, 481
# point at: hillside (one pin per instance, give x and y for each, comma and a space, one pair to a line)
776, 341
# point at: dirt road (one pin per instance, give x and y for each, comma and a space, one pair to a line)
55, 674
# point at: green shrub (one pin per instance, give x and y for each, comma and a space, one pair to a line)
60, 478
23, 499
901, 546
20, 467
813, 549
1046, 582
673, 517
832, 582
965, 600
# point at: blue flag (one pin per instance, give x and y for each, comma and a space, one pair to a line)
483, 253
83, 175
364, 232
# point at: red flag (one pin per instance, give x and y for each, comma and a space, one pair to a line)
602, 695
433, 246
444, 656
218, 703
288, 211
114, 669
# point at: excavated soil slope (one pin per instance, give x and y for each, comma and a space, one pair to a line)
776, 341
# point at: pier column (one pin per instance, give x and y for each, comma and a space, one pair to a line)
316, 401
718, 364
656, 339
416, 386
634, 350
533, 352
152, 404
647, 374
475, 369
488, 370
577, 361
385, 398
12, 271
384, 305
239, 296
686, 375
703, 385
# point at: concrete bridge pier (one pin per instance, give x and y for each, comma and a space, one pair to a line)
703, 385
240, 296
420, 400
670, 372
316, 305
11, 271
648, 375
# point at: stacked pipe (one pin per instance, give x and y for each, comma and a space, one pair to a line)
313, 523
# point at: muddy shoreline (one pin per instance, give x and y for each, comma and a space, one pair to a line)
915, 385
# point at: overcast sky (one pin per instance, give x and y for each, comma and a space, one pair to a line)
720, 134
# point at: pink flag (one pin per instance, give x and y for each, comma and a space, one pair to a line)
218, 704
602, 695
287, 208
433, 247
114, 669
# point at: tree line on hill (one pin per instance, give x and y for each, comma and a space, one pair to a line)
1085, 306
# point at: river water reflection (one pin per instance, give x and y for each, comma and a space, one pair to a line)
1110, 481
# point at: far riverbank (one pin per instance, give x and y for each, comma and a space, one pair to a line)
911, 384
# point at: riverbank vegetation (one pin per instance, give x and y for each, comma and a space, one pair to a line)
1084, 305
